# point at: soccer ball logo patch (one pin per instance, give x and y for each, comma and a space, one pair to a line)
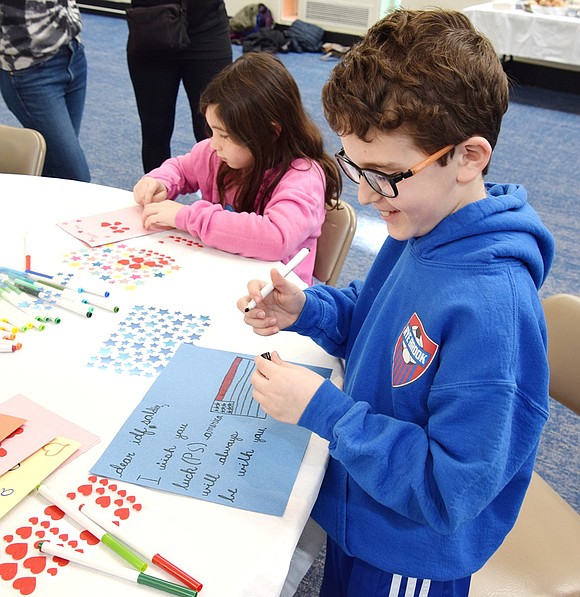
413, 354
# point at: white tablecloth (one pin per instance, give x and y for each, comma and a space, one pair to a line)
235, 553
532, 36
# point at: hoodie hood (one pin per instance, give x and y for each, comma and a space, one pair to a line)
511, 228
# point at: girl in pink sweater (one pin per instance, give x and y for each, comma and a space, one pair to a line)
263, 176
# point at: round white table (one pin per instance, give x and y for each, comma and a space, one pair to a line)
235, 553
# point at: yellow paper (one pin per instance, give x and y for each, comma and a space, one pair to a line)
18, 482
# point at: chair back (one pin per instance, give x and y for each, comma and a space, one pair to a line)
562, 313
540, 555
22, 151
334, 243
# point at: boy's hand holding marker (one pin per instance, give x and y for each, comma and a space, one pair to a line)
283, 389
284, 306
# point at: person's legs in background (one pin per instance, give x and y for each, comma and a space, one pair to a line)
156, 85
196, 74
50, 98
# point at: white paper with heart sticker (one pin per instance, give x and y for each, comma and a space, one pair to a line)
108, 227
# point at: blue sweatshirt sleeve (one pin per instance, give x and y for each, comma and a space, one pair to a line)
327, 315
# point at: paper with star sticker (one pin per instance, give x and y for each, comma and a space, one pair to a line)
146, 339
121, 264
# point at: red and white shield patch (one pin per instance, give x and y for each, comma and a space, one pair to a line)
413, 354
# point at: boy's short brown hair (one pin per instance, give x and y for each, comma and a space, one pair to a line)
428, 73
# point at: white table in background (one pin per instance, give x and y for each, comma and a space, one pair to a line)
531, 36
235, 553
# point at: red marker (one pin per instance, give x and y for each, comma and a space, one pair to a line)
27, 260
10, 347
146, 552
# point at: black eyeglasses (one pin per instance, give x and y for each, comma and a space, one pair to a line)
381, 183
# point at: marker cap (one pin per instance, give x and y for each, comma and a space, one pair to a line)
125, 553
163, 585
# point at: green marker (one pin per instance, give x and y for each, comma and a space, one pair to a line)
86, 523
66, 553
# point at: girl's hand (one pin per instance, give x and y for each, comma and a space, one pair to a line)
149, 190
284, 390
278, 310
160, 214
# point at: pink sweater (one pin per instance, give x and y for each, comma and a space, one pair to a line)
292, 219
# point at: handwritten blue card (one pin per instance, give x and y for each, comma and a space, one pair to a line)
198, 432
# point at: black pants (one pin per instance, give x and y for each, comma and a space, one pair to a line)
156, 84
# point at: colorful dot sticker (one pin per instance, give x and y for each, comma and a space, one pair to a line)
122, 265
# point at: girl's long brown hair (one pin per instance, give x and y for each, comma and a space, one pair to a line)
259, 103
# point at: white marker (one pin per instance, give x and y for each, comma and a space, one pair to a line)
86, 523
290, 266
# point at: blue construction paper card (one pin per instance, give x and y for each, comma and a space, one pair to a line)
198, 432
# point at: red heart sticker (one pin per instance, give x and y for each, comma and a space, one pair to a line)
8, 570
89, 538
17, 550
25, 585
60, 561
122, 513
54, 512
35, 564
86, 489
24, 532
104, 501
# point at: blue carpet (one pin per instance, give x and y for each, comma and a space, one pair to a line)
539, 147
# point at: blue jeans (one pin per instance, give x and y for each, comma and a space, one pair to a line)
50, 98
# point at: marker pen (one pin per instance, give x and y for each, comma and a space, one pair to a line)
9, 347
144, 550
66, 553
93, 528
290, 266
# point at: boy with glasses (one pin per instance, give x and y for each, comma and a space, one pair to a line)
433, 438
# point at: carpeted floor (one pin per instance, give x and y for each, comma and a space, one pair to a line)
539, 147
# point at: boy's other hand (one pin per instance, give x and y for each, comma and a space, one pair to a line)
276, 311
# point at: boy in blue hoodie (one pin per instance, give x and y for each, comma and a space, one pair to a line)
433, 438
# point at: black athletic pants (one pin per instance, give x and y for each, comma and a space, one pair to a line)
156, 84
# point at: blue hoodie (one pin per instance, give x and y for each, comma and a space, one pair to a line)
433, 439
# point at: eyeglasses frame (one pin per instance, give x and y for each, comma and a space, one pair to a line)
393, 179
